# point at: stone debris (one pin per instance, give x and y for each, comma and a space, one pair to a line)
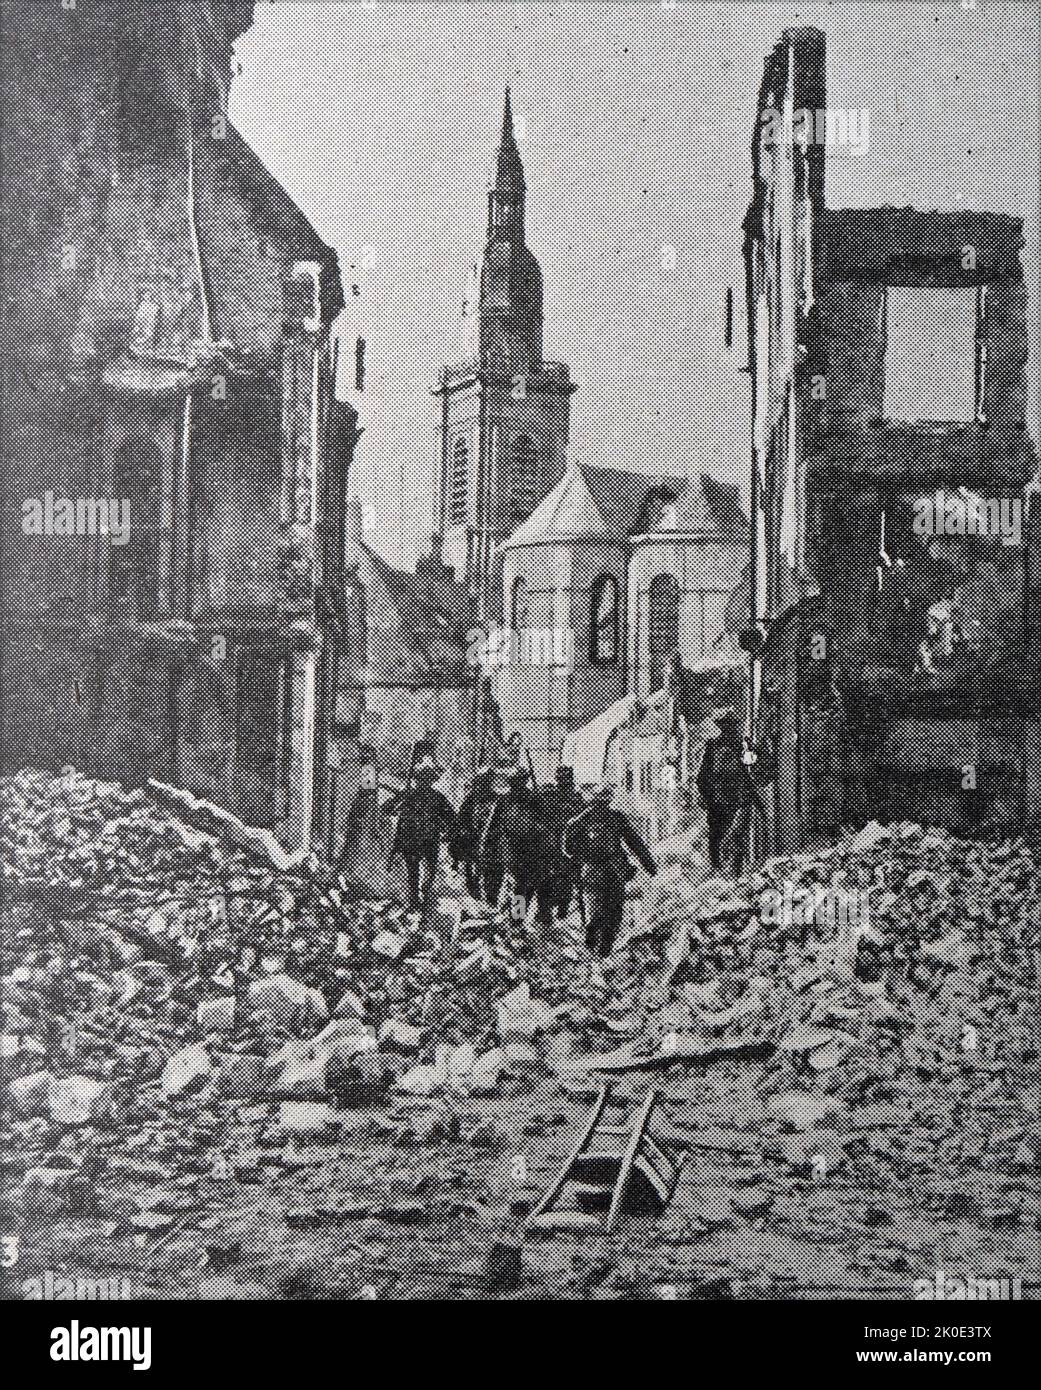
187, 1070
181, 1018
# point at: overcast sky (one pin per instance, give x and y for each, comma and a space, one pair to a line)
381, 118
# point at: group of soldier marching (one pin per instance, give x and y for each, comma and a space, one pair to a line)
526, 846
519, 845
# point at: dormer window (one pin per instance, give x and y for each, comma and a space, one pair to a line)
661, 512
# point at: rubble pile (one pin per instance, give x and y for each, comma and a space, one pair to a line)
887, 983
174, 1012
179, 1016
902, 947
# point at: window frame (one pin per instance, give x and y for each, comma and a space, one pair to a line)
519, 590
457, 502
659, 581
602, 584
524, 477
979, 293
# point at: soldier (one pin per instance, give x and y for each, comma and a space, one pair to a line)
727, 790
558, 804
424, 817
516, 839
471, 818
600, 841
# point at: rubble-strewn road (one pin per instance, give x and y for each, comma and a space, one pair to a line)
222, 1081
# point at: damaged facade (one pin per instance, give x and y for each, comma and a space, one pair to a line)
166, 346
412, 678
898, 675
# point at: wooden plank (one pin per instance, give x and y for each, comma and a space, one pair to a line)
553, 1191
597, 1167
639, 1126
577, 1221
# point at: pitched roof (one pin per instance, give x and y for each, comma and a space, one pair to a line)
416, 627
611, 504
622, 497
712, 508
567, 512
590, 503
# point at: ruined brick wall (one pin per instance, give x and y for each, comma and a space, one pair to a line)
924, 733
889, 353
781, 235
150, 308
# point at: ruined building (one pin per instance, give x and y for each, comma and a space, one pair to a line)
167, 365
894, 633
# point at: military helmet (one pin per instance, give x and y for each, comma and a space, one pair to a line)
726, 717
427, 768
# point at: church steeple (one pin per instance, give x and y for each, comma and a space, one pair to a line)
511, 282
506, 197
504, 417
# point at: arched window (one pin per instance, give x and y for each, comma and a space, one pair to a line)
524, 476
604, 615
520, 616
458, 483
663, 626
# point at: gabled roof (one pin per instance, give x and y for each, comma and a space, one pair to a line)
622, 497
610, 504
568, 512
712, 508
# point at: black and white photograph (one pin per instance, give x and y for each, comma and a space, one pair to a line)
520, 669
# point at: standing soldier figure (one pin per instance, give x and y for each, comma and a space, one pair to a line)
727, 791
362, 860
600, 841
516, 839
559, 803
424, 817
471, 818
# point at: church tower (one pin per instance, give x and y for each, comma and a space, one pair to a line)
502, 431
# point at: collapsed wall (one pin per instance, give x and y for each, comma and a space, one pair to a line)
173, 455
